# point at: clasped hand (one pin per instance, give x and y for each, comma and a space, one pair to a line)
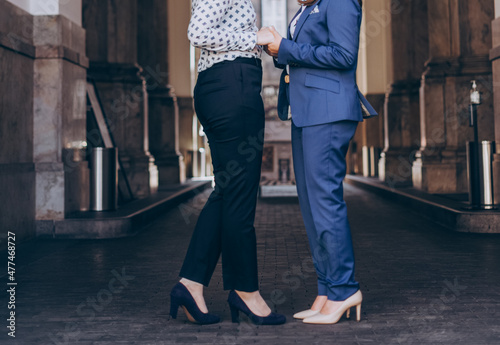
270, 39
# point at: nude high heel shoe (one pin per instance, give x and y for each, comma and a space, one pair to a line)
305, 314
353, 301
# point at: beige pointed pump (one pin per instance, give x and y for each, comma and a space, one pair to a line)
353, 301
305, 314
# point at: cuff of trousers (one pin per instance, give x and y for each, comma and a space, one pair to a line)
195, 278
337, 293
240, 283
322, 289
341, 293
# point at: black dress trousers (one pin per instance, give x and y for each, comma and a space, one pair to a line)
229, 105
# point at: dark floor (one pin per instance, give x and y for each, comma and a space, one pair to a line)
421, 283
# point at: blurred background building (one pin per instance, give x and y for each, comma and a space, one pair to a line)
416, 62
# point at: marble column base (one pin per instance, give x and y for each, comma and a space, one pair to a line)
164, 135
142, 174
402, 116
171, 169
49, 191
401, 132
440, 177
395, 167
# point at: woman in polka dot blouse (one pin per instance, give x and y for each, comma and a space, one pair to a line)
230, 108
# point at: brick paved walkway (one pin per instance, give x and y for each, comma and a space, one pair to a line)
422, 284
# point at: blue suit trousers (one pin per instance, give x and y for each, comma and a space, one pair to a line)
320, 166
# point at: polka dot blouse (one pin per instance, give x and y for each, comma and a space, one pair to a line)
223, 30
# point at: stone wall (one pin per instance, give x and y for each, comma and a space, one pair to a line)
17, 171
59, 119
495, 58
459, 43
42, 112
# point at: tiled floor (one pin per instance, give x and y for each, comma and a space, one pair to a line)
422, 284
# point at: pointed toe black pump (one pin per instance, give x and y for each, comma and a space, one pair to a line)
236, 304
181, 297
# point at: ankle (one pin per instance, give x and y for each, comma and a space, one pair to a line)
319, 302
254, 302
192, 283
248, 296
192, 286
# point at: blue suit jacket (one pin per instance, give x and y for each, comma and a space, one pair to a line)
323, 59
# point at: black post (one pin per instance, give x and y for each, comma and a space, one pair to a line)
474, 169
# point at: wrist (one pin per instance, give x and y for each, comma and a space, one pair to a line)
283, 52
258, 38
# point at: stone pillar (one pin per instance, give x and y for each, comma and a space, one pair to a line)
401, 113
163, 105
182, 75
59, 112
45, 113
495, 58
59, 108
17, 170
121, 84
459, 43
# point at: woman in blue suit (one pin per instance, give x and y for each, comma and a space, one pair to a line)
318, 92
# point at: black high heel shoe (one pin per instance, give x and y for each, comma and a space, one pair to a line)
236, 304
181, 297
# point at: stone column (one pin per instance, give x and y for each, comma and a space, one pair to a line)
459, 43
182, 75
121, 83
163, 105
43, 105
17, 170
59, 114
401, 113
495, 58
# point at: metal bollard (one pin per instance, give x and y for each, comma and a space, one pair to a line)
104, 179
480, 174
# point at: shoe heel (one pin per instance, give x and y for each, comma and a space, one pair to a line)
235, 314
174, 308
358, 312
348, 313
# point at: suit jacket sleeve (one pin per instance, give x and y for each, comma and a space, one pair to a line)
343, 20
277, 65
